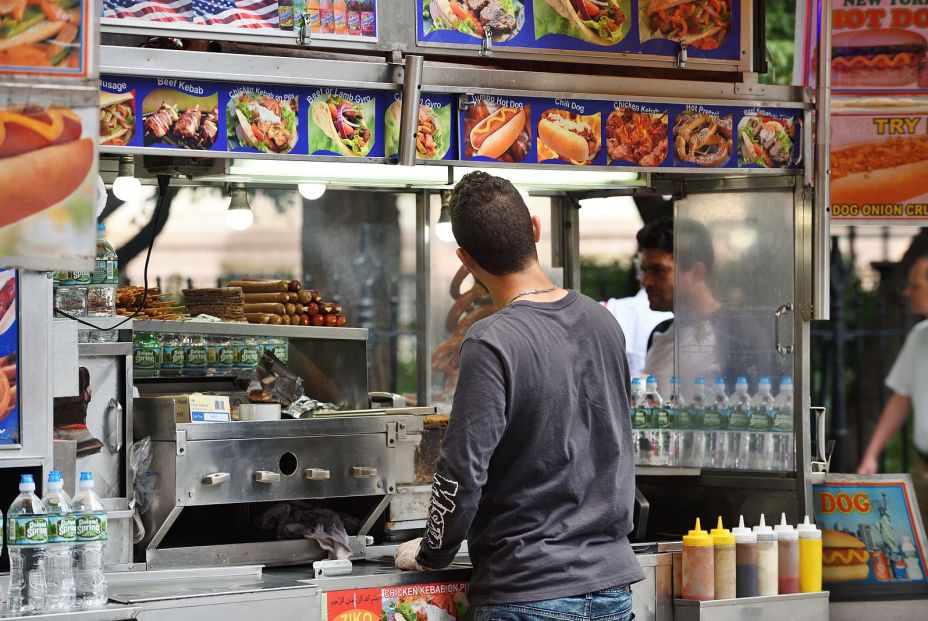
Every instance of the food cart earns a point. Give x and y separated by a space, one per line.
629 108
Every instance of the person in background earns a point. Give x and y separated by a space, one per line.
655 262
908 380
536 469
637 319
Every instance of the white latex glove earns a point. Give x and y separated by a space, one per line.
404 557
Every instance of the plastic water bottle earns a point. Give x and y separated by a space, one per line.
101 294
783 446
739 416
71 296
653 407
89 578
639 422
27 537
679 422
759 424
62 530
714 423
693 449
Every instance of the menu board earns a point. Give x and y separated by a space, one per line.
441 601
50 38
709 28
879 160
9 349
48 172
345 123
871 534
435 135
353 20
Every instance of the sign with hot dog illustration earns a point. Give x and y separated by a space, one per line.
879 161
871 533
48 225
497 128
344 123
569 132
45 37
9 352
709 28
434 134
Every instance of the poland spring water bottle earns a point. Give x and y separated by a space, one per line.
27 536
639 421
652 403
62 529
88 549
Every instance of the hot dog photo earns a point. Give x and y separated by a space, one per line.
181 119
261 121
702 138
491 130
433 127
342 124
700 24
499 20
569 137
9 343
599 22
43 36
637 136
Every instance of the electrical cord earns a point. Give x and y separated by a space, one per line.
163 183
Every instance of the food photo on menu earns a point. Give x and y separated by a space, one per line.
433 130
172 118
702 24
570 137
117 118
879 58
341 126
702 138
262 122
600 22
767 141
9 344
497 132
636 137
41 34
502 19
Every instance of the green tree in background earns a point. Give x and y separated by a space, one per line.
781 29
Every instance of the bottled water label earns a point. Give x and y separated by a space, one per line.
759 420
146 358
281 351
28 530
246 355
72 279
91 527
712 419
105 272
195 356
738 419
172 357
783 421
639 418
62 528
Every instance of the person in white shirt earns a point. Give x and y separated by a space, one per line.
637 319
908 380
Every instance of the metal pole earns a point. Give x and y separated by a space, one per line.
412 89
423 280
821 217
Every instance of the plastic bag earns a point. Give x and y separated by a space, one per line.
140 457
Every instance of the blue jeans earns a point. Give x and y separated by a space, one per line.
614 604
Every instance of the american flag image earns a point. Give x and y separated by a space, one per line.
236 13
150 10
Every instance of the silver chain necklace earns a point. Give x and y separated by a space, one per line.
530 292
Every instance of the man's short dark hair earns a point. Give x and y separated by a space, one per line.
695 244
656 235
491 222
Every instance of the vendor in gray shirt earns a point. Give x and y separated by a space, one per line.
536 470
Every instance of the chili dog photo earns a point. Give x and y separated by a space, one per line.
497 132
563 135
702 24
433 130
117 118
501 20
636 137
878 58
702 139
342 125
40 139
600 22
42 36
177 119
844 557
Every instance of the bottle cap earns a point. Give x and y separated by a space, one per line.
764 532
786 381
785 530
720 381
764 381
651 380
54 476
721 536
741 380
674 380
742 533
636 381
697 537
26 483
86 480
808 530
101 227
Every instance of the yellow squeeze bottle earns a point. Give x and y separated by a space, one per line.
810 557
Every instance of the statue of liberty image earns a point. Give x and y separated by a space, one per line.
887 532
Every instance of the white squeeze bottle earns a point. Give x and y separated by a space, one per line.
27 536
62 529
88 551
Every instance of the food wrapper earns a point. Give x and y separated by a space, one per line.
274 382
306 407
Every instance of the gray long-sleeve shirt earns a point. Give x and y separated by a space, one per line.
536 469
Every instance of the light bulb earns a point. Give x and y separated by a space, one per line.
444 233
127 188
239 219
666 197
311 191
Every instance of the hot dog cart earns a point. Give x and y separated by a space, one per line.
409 110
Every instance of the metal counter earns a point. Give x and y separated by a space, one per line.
110 613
